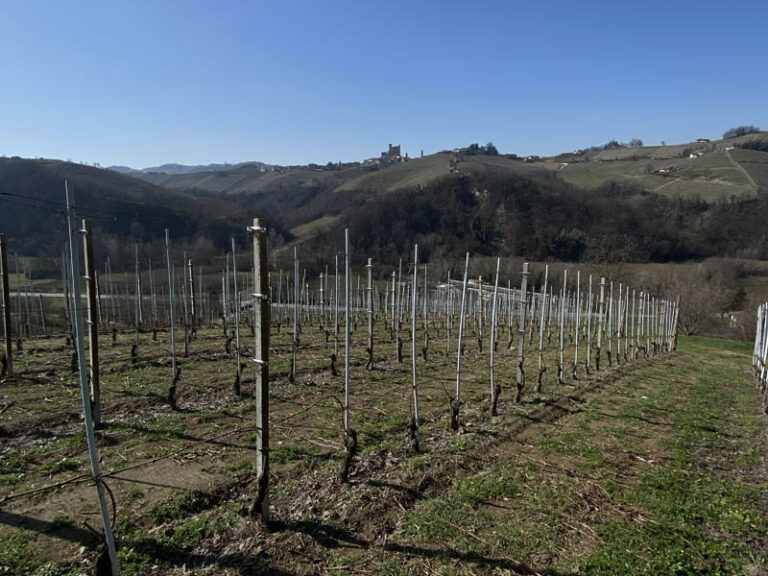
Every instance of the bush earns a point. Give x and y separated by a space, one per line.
754 144
740 131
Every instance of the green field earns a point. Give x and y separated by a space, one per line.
711 176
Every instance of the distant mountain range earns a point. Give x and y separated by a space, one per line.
174 169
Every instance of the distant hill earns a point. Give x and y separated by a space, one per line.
710 170
173 169
644 203
122 208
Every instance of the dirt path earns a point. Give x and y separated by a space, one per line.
741 168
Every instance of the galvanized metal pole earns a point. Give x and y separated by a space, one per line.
520 380
563 298
578 320
93 326
414 295
494 391
172 388
542 368
455 408
89 433
369 268
346 337
237 321
600 313
7 331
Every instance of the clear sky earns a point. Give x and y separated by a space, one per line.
142 83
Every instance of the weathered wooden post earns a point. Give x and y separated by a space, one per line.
261 309
93 324
520 380
7 332
85 393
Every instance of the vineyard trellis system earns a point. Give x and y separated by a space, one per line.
760 354
568 329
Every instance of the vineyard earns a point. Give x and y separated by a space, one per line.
249 419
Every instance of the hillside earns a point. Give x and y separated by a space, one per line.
653 203
32 200
718 171
709 170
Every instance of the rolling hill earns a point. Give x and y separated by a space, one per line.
32 200
710 170
653 203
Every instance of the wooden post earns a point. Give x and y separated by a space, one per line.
261 359
6 306
520 380
93 324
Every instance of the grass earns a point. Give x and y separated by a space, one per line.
676 510
612 473
711 177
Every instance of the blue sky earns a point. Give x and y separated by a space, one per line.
147 82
